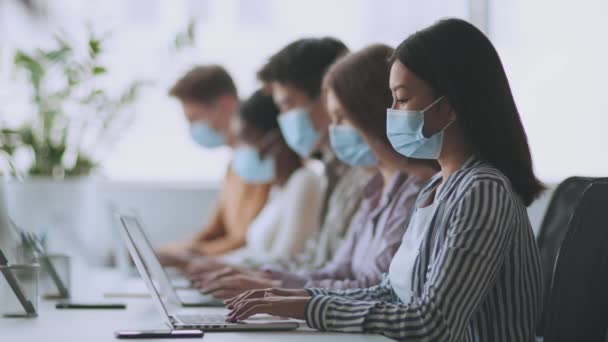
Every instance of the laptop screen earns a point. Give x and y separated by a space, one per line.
148 265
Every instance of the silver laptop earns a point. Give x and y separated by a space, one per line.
184 297
154 276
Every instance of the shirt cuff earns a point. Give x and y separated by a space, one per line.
315 310
316 292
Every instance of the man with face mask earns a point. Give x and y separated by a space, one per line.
294 76
210 102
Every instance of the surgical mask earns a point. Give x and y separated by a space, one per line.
350 147
298 131
206 136
248 165
404 131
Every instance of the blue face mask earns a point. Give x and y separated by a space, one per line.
247 164
404 131
350 147
298 131
206 136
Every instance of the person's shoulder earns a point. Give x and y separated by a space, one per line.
487 174
485 178
358 172
425 184
420 181
305 176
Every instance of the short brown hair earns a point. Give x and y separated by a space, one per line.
360 81
204 84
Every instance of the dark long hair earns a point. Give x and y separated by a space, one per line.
260 112
460 63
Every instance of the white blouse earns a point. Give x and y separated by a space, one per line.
401 269
287 221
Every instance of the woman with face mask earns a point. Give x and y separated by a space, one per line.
291 215
468 268
358 138
294 76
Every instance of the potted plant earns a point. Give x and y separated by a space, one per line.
52 156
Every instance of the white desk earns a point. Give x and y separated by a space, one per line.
99 325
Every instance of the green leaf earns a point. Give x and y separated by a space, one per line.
94 47
93 96
31 65
84 166
191 31
27 136
187 38
59 55
98 70
61 39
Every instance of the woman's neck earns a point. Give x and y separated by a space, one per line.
454 153
286 167
387 172
397 163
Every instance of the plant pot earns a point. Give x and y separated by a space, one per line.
61 211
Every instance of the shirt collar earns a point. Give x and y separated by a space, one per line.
375 185
445 189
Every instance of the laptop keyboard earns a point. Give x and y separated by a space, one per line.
198 319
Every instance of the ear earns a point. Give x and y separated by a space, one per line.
450 110
320 118
270 144
226 103
221 102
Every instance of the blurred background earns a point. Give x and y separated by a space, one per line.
554 52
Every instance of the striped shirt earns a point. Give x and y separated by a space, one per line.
477 276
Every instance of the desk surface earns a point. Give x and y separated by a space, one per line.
99 325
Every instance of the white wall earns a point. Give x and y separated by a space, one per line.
170 212
556 56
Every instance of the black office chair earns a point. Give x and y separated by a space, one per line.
555 225
577 307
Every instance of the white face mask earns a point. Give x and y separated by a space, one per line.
404 131
248 165
298 130
205 135
350 147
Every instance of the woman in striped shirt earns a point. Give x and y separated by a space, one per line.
468 267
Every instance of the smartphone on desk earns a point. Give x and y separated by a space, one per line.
92 306
143 334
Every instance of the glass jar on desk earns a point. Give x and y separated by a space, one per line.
55 276
19 290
